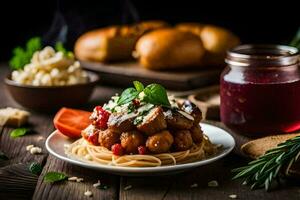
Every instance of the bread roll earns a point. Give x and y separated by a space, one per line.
216 41
112 43
169 48
258 147
195 28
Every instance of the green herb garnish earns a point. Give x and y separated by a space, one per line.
127 96
52 177
3 156
138 120
261 172
22 56
131 108
35 168
153 93
138 86
157 95
19 132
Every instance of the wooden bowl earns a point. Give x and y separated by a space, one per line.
50 98
208 101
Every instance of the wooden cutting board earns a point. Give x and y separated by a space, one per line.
123 73
240 140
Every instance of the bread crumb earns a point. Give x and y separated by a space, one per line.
213 183
233 196
128 187
40 138
97 184
194 185
88 193
29 147
35 150
73 178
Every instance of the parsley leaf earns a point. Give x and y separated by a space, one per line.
35 168
138 86
19 132
22 56
127 96
157 95
52 177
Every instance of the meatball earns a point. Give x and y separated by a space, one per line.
176 120
192 109
182 140
196 133
120 122
131 140
160 142
108 137
153 122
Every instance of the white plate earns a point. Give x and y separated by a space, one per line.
56 141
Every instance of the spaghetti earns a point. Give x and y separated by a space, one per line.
84 151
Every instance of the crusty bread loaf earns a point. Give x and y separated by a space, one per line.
216 41
112 43
169 48
258 147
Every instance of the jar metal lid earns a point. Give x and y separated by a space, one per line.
262 55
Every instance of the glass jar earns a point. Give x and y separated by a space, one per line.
260 90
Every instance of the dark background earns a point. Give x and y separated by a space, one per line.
253 21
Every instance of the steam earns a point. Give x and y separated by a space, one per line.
58 30
129 11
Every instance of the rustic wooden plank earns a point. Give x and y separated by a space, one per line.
15 148
73 190
42 125
123 73
15 170
179 186
17 182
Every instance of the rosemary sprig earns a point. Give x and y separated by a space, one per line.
262 171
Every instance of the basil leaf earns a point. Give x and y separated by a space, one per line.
35 168
138 86
127 96
3 156
157 95
19 132
52 177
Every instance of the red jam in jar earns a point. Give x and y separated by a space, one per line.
260 90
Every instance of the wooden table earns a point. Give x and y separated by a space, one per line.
16 182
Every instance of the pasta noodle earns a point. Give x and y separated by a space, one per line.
50 68
81 149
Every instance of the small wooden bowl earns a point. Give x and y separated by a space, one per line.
50 98
203 99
